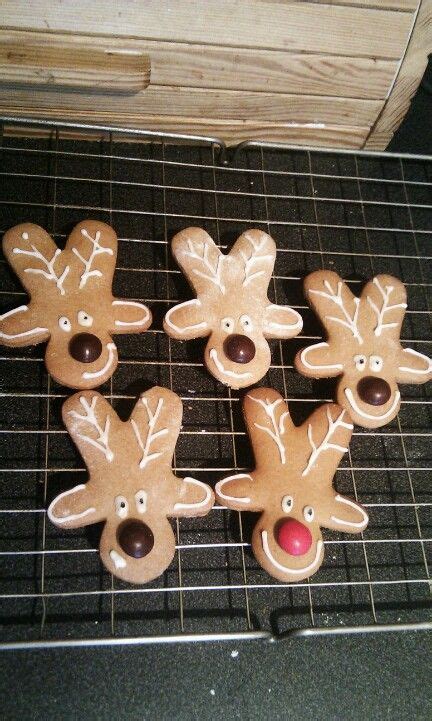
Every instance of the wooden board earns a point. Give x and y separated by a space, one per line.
195 102
411 72
293 26
88 66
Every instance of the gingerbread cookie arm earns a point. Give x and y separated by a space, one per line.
36 259
156 421
129 316
186 321
200 259
384 305
190 498
345 515
413 367
281 321
320 360
22 326
267 420
75 508
240 492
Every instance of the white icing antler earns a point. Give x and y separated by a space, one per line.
336 297
97 250
151 436
325 445
49 273
278 428
214 270
385 308
101 443
254 257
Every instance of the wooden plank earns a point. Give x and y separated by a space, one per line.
294 26
194 102
408 79
79 66
403 5
231 131
207 66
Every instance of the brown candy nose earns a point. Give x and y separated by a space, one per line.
85 347
135 539
374 391
239 348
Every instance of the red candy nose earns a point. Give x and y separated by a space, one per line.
294 537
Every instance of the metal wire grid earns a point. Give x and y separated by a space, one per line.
355 213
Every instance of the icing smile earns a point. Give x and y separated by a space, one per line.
287 569
349 394
111 355
225 371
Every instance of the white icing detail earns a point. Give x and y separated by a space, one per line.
118 561
336 297
152 420
121 506
220 484
231 374
102 441
85 319
349 394
360 361
227 324
111 348
278 428
186 328
325 445
73 517
305 351
308 514
141 501
198 504
287 569
135 305
298 325
385 307
362 523
11 336
254 257
287 504
246 323
376 363
97 250
414 370
25 236
49 273
65 324
214 270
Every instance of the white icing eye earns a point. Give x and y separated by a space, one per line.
65 324
227 325
246 323
121 506
308 513
141 501
85 319
287 504
376 363
360 362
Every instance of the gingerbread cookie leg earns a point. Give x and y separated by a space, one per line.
231 306
292 484
72 305
131 486
362 346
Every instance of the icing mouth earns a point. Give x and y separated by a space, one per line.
118 561
287 569
231 374
349 394
111 355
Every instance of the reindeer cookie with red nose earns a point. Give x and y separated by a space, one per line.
232 306
131 486
292 484
362 346
71 306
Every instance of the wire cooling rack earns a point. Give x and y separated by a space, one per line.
352 212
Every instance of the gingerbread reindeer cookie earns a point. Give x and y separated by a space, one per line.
131 486
232 306
362 346
71 306
292 484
